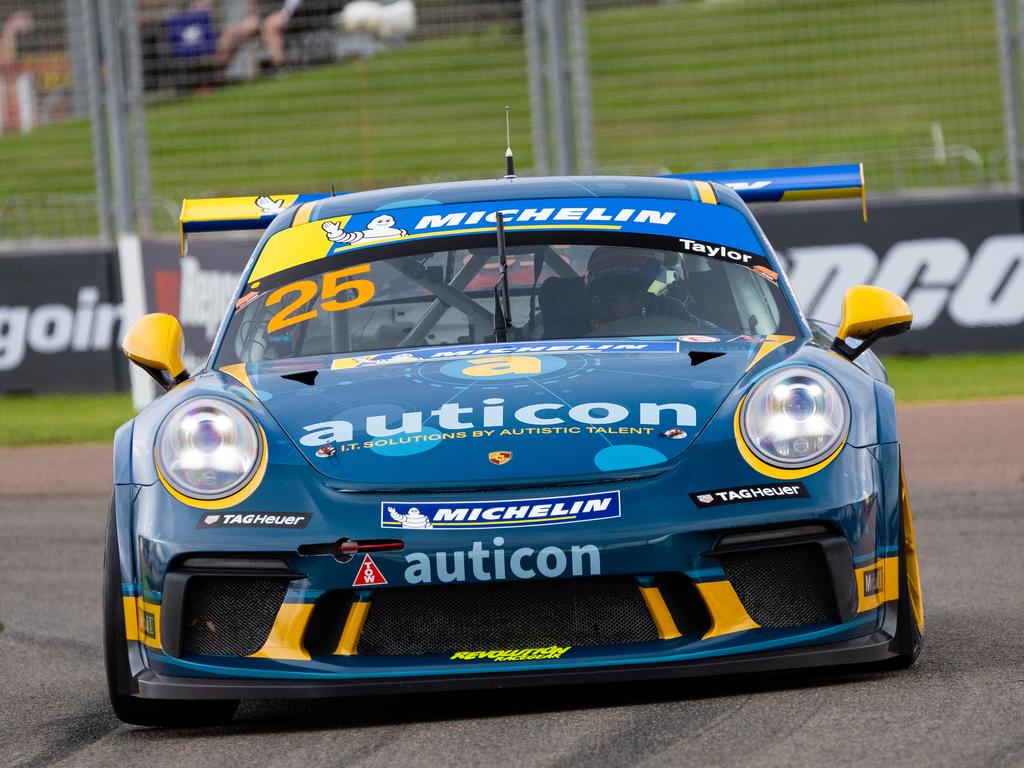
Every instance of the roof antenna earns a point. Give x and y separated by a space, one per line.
333 193
510 165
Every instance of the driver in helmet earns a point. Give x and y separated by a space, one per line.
629 282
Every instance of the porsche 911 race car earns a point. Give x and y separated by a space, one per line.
502 433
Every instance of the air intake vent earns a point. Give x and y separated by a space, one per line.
783 586
442 619
230 615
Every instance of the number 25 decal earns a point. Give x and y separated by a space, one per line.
333 284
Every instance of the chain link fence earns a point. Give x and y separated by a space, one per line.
910 88
240 97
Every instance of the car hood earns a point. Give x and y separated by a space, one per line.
495 415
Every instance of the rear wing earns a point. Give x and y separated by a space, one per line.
775 185
822 182
233 214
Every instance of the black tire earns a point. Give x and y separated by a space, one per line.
131 709
909 639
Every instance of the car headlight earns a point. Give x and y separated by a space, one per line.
208 448
794 417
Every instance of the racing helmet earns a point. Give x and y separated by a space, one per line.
619 280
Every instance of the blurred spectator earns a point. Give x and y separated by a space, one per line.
270 23
179 41
16 24
17 89
294 32
389 21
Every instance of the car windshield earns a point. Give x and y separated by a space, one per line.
606 288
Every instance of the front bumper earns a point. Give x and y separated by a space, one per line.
859 514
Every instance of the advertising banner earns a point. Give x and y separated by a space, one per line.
957 260
201 284
197 288
60 322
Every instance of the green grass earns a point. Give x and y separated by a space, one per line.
27 420
683 86
36 419
956 377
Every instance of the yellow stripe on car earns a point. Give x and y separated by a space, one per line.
706 192
667 629
348 645
727 612
910 553
237 371
141 621
305 211
769 345
285 639
294 246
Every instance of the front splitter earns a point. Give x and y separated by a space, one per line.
862 650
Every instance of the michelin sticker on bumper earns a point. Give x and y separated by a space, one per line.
519 513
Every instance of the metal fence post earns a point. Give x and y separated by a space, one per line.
558 74
538 99
137 110
580 65
1017 32
129 247
117 124
76 53
97 119
1009 45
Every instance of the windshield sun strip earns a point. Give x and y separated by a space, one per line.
575 236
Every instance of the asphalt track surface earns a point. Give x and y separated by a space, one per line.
961 705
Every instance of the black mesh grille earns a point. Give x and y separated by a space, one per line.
230 616
783 586
465 617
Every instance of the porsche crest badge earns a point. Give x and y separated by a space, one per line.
499 457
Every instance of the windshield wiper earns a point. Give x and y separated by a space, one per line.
502 311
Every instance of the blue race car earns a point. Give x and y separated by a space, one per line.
511 432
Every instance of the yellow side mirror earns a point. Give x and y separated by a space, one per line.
869 313
156 344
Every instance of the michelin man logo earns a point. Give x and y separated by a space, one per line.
381 227
415 518
268 206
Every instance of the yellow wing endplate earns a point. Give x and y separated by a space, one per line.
228 214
